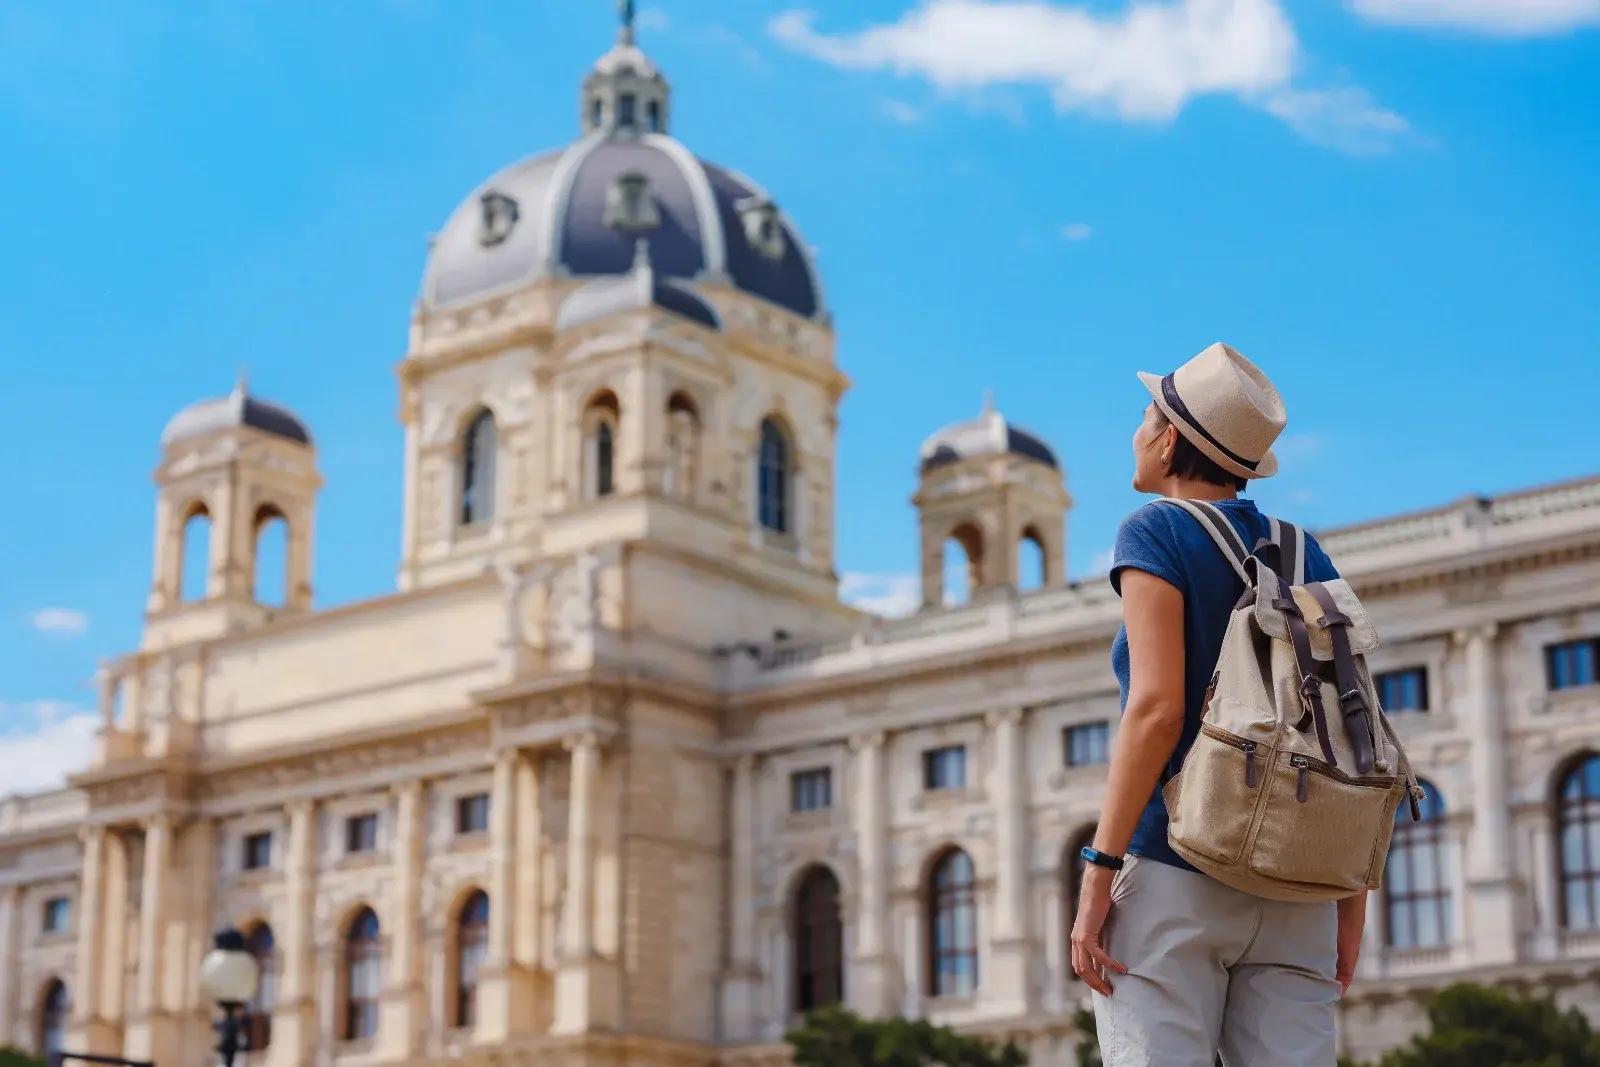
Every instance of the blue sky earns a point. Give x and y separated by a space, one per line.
1393 205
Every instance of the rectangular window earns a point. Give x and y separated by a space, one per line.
57 913
625 110
1088 745
1405 690
361 833
945 768
811 790
257 852
1572 663
472 814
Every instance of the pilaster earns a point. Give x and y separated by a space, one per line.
872 986
1011 945
294 1022
402 1008
1494 890
502 981
588 988
741 981
152 1033
10 911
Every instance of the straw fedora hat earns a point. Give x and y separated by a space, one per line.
1225 407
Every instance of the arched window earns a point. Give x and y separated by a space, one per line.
962 563
1072 867
1579 817
194 554
258 1018
477 470
952 926
363 975
773 478
54 1008
601 420
818 941
472 944
1031 570
683 448
652 114
270 580
1416 878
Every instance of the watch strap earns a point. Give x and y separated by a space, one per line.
1101 859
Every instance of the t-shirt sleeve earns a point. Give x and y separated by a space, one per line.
1147 542
1319 568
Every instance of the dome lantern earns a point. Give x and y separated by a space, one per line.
625 94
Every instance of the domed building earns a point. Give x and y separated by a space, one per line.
615 777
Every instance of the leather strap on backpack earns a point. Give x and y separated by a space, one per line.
1351 703
1310 683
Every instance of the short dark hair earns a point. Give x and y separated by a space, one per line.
1189 462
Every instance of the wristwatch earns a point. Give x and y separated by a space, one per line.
1100 859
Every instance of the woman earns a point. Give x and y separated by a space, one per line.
1183 967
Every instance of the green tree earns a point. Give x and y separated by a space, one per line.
837 1037
11 1056
1474 1026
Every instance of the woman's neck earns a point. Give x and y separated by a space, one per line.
1195 489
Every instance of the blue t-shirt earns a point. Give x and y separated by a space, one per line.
1168 542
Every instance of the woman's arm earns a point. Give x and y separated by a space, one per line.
1152 723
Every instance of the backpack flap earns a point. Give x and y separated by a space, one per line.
1363 634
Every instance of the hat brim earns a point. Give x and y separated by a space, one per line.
1264 469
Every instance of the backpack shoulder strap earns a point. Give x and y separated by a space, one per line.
1215 523
1291 541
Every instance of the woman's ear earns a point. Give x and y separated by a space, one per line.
1169 444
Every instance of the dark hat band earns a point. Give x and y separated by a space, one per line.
1169 392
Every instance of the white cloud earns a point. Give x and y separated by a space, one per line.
891 595
722 37
1346 119
60 622
899 111
1077 231
1142 64
1101 563
1511 18
1294 449
652 19
54 740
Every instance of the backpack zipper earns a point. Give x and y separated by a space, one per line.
1217 733
1301 765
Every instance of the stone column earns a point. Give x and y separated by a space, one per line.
528 879
500 974
151 1036
402 1007
294 1020
114 935
741 981
10 908
1011 943
87 1020
871 988
408 512
1494 890
586 988
1546 885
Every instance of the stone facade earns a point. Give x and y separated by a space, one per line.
615 778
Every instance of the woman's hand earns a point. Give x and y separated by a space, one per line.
1352 922
1089 957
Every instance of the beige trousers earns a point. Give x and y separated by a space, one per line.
1212 969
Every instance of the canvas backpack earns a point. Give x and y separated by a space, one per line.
1291 788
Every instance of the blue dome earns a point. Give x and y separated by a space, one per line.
237 409
547 216
987 435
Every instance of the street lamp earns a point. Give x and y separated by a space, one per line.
229 975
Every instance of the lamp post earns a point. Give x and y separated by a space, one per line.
229 975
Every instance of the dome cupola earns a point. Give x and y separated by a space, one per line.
987 435
625 94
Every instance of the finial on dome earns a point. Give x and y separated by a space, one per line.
988 401
241 384
625 9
